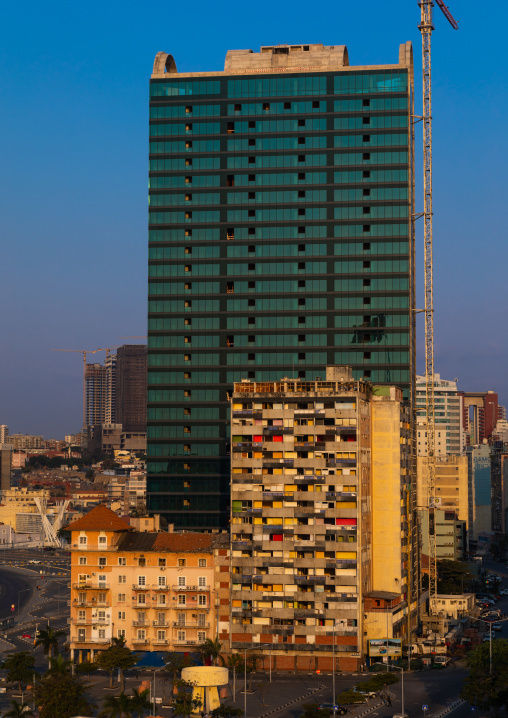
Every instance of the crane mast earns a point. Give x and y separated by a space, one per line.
426 27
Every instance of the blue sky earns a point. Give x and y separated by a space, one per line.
74 85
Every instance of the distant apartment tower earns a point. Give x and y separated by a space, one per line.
449 429
321 519
131 387
480 491
451 477
4 433
481 412
280 242
26 441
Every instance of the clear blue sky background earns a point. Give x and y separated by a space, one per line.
74 120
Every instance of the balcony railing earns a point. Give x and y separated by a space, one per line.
140 641
185 643
140 587
160 642
83 604
93 547
142 623
84 585
191 588
90 639
160 624
176 624
159 587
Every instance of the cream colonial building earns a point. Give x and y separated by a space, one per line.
161 591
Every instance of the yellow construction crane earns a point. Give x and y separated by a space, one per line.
426 27
85 352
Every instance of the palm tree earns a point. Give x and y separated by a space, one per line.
48 639
18 711
117 707
59 665
211 649
140 702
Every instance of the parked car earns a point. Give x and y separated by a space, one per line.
26 635
34 561
497 626
339 710
504 592
486 638
365 692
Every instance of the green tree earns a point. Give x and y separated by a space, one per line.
48 639
175 662
235 664
20 668
183 702
482 689
58 664
253 661
18 710
60 696
90 474
349 697
227 712
117 707
211 649
453 577
140 701
117 656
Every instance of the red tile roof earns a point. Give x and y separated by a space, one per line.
100 518
183 542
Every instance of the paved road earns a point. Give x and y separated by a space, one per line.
14 586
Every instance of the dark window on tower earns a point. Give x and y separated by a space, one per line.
301 175
366 103
366 155
252 124
366 192
366 174
366 138
301 158
252 178
301 193
287 105
231 181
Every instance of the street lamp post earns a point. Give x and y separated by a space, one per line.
490 622
19 593
333 669
153 687
402 686
261 645
216 613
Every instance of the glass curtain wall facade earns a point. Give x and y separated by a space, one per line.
280 242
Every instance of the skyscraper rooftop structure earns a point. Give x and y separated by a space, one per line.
280 242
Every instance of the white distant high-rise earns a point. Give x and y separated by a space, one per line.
4 433
449 429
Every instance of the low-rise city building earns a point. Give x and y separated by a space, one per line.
160 591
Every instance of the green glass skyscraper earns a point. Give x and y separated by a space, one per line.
280 242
